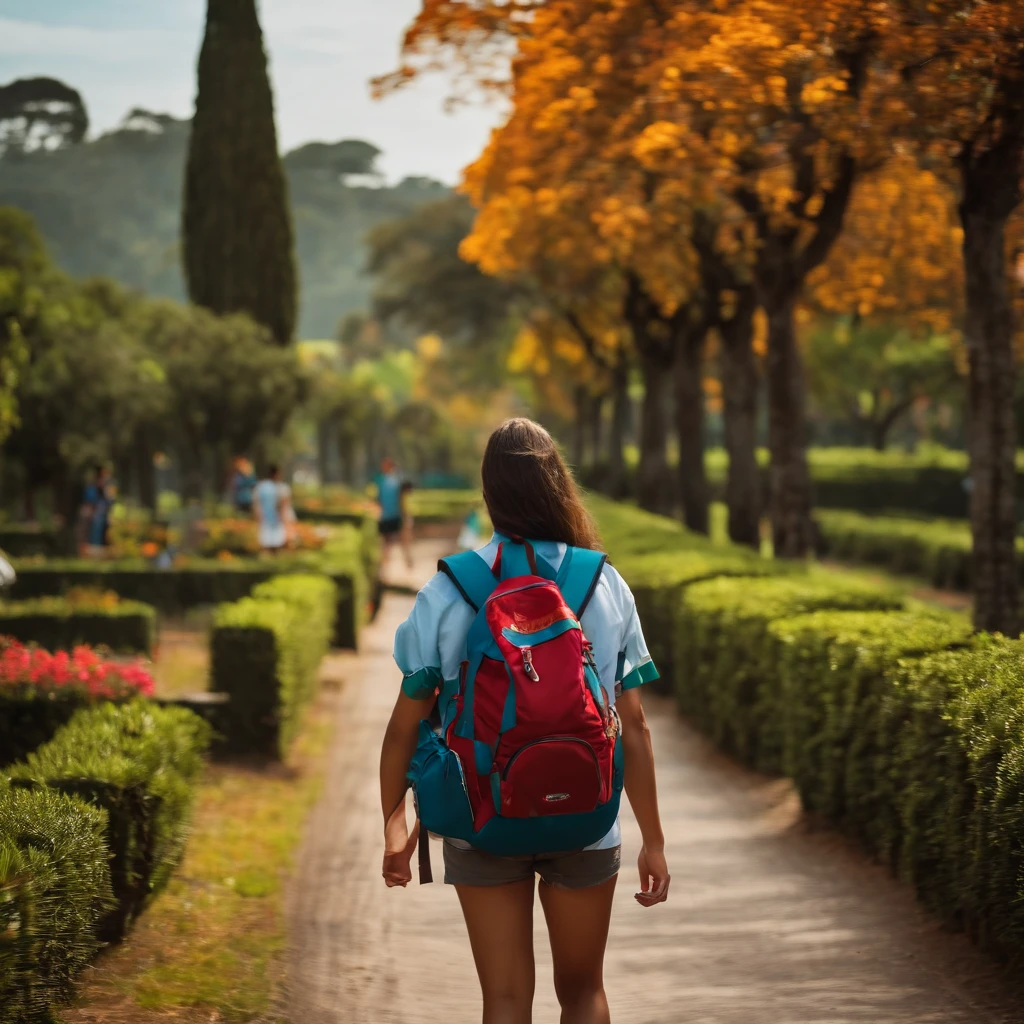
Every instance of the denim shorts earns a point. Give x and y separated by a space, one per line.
580 870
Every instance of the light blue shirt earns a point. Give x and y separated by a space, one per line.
430 645
268 494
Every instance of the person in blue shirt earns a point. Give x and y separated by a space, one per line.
243 483
389 501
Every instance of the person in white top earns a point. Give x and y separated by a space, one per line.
530 493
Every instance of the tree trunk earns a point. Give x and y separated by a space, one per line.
792 527
740 393
579 431
688 374
595 424
991 427
652 478
323 445
617 484
145 470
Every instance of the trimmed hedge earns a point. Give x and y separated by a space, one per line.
951 771
139 763
54 888
265 654
349 558
60 625
727 675
835 669
27 722
937 550
23 540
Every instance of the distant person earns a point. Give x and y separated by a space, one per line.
271 501
389 500
243 483
97 502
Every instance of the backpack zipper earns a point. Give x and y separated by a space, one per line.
531 672
516 590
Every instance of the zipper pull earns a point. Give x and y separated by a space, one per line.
531 672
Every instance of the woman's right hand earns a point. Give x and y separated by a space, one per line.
654 876
399 846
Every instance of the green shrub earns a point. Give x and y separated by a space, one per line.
835 668
265 654
657 582
138 762
350 558
937 550
951 759
57 624
727 679
54 888
24 540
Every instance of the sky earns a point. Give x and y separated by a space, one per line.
122 54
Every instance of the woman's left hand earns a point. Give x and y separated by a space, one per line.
399 845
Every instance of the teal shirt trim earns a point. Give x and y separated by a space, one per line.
645 672
421 684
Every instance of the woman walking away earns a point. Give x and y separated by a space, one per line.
271 500
533 654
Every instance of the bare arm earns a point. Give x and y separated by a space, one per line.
395 755
642 791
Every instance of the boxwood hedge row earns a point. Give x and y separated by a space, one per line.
57 624
349 559
265 651
54 890
139 763
895 723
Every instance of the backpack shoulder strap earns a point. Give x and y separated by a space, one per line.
578 576
471 575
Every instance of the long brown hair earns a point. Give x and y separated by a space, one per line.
529 491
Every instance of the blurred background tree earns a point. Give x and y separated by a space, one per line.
239 249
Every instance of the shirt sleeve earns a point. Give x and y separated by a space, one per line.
635 666
417 652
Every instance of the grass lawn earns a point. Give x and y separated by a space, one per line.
211 947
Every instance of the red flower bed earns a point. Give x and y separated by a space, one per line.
84 670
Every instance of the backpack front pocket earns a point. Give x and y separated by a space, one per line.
556 775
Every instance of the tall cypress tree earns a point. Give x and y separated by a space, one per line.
239 247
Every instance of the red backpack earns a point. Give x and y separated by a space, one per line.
528 759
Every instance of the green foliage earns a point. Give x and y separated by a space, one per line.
937 550
929 482
24 270
835 669
20 540
139 763
238 242
29 721
265 654
40 113
58 624
950 767
727 679
422 282
54 887
869 376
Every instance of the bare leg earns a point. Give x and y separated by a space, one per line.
500 923
578 922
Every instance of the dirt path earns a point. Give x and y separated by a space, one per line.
769 923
